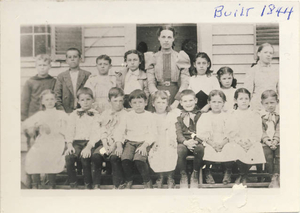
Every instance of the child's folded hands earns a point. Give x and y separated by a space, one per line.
190 144
86 152
70 149
142 149
274 144
119 149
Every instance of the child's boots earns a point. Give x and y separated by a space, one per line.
241 179
275 181
208 176
159 181
227 176
194 179
148 185
126 185
34 186
171 181
184 180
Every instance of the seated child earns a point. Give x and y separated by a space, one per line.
109 120
212 129
101 83
271 135
137 131
188 142
30 101
45 156
133 77
245 128
82 123
163 154
70 81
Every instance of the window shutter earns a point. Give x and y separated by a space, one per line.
268 33
65 37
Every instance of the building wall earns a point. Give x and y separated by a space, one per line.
234 46
230 45
98 40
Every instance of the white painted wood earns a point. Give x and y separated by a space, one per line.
130 37
105 42
204 32
232 29
233 49
233 39
104 32
232 59
110 51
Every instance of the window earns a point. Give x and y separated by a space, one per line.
268 33
52 40
35 40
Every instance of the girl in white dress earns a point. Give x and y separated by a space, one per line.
262 76
46 155
228 86
163 154
212 129
202 81
246 131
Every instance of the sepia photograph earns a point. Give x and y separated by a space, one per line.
150 106
167 106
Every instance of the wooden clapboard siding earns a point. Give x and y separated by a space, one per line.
98 40
104 42
233 45
110 51
232 29
232 39
104 31
233 49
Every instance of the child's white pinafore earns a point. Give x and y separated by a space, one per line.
213 127
246 125
163 154
46 155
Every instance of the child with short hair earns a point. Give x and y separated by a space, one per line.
202 80
133 77
108 123
30 101
262 75
82 123
188 142
137 131
69 82
46 154
271 135
163 154
212 128
245 127
227 86
101 83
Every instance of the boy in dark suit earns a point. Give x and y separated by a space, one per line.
70 81
188 142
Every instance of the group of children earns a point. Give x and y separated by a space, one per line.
91 119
